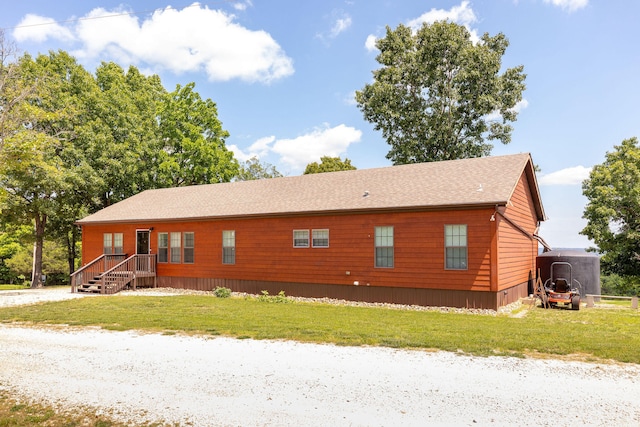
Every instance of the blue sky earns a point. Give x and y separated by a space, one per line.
283 73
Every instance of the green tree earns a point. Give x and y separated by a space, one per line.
439 95
53 262
72 143
13 91
255 169
124 132
40 166
613 209
32 179
193 148
10 244
329 164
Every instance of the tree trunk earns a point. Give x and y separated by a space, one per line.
40 224
72 238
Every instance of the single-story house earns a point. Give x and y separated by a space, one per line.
459 233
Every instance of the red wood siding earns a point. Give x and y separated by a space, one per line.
265 252
516 251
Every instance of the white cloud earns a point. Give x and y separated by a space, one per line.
298 152
569 5
262 146
370 43
462 14
40 28
258 149
341 25
324 141
193 39
242 5
350 99
569 176
521 105
240 155
342 22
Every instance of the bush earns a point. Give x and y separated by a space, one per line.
281 298
614 284
57 279
221 292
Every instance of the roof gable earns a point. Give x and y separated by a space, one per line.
457 183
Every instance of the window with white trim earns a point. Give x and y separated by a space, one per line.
118 245
320 238
228 246
455 243
188 243
107 243
300 238
163 247
113 243
384 247
175 247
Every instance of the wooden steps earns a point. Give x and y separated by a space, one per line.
95 286
110 274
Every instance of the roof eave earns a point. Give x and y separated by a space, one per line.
535 190
529 171
357 211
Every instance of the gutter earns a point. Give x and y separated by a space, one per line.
294 214
533 236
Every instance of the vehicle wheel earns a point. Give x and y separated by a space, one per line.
575 303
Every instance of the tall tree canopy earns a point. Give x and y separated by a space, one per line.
72 142
329 164
12 90
613 209
125 136
41 165
192 141
439 95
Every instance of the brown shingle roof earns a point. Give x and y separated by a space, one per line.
457 183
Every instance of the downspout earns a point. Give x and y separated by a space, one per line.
533 236
494 264
516 226
493 268
530 236
545 245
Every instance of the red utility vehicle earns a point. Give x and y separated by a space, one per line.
560 290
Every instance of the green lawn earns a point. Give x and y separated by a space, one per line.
590 334
12 287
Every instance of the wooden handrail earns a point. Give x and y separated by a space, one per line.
94 268
113 278
84 267
123 273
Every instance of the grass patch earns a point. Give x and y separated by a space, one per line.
594 334
20 414
12 287
619 303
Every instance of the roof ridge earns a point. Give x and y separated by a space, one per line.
464 182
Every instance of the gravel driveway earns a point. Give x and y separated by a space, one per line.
226 381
